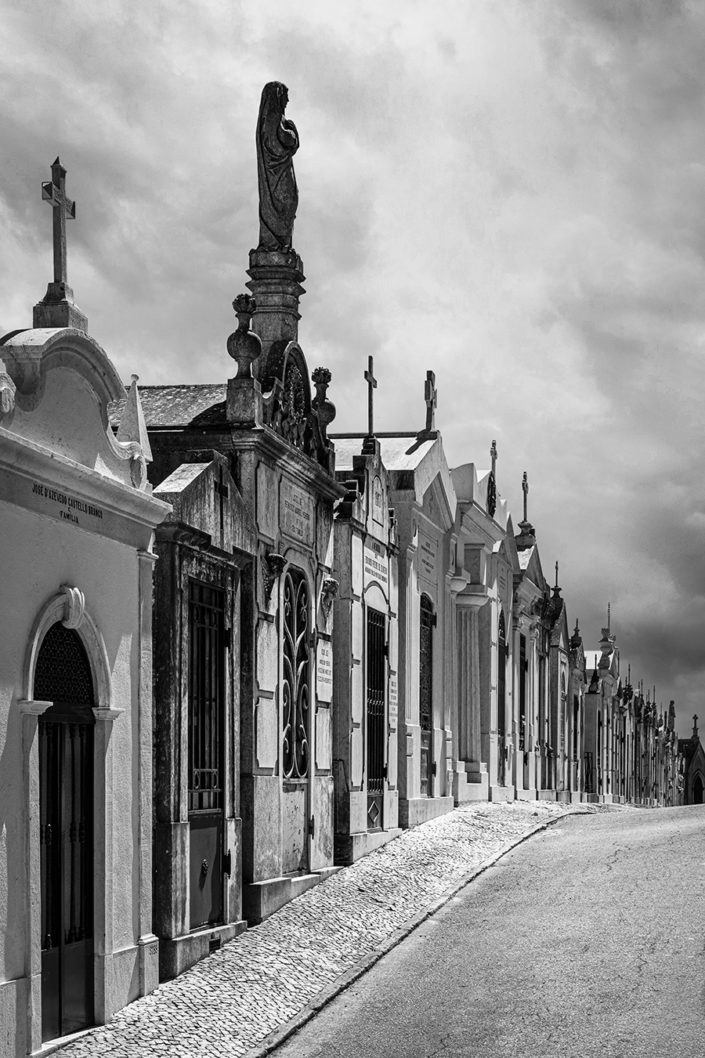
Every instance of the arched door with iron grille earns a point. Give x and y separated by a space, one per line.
428 620
501 700
296 721
63 677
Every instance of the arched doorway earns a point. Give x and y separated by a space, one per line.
63 677
698 790
296 722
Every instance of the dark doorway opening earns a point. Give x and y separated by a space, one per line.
206 739
428 620
63 677
698 791
376 679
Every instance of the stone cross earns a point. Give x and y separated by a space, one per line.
371 386
556 574
525 490
493 456
54 192
695 725
431 398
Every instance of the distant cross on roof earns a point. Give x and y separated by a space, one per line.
54 192
695 725
492 482
525 490
556 574
609 616
431 398
371 387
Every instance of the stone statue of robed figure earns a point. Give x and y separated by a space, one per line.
277 143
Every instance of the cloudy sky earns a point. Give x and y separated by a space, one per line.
510 192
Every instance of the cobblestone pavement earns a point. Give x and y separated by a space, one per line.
229 1002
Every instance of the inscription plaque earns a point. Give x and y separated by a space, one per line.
324 671
393 701
376 566
428 550
296 512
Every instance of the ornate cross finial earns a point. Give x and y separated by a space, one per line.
492 482
609 615
695 725
57 307
54 192
371 386
556 584
431 398
525 490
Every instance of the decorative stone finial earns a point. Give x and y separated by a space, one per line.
527 537
243 344
324 408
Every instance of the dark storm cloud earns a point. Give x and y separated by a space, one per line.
508 193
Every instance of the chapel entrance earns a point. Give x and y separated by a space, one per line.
428 620
206 739
296 721
698 791
501 701
63 677
375 719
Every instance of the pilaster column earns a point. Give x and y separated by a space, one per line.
148 943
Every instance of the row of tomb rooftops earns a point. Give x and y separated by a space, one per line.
58 310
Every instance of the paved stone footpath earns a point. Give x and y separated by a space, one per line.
228 1003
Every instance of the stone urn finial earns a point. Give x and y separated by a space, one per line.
244 345
324 408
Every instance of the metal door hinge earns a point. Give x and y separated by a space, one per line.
227 863
312 826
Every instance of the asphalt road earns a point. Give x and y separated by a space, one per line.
586 940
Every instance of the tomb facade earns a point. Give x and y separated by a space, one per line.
77 519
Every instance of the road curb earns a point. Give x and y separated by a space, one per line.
324 997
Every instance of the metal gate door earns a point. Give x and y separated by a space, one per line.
375 719
296 723
206 707
428 619
63 676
